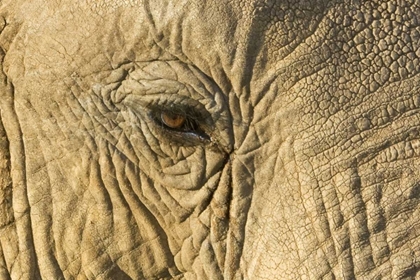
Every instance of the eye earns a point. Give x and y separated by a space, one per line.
181 126
172 120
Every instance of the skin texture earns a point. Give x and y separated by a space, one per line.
305 164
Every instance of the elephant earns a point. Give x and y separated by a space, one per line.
190 139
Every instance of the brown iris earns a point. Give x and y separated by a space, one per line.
173 120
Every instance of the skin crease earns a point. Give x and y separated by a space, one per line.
304 163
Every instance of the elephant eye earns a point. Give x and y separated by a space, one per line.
181 126
172 120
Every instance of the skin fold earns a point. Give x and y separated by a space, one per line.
288 148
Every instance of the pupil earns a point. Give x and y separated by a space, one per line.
172 120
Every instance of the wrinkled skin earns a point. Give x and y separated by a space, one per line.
305 164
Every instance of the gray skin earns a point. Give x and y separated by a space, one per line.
300 160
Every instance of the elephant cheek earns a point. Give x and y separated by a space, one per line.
286 233
275 218
339 218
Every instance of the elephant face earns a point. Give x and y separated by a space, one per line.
209 139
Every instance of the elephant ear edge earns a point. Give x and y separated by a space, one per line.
9 28
16 241
6 184
7 217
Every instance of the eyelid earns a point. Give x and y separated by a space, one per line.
172 103
159 84
194 113
150 107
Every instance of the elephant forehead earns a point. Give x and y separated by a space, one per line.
237 43
62 40
217 37
285 57
280 56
